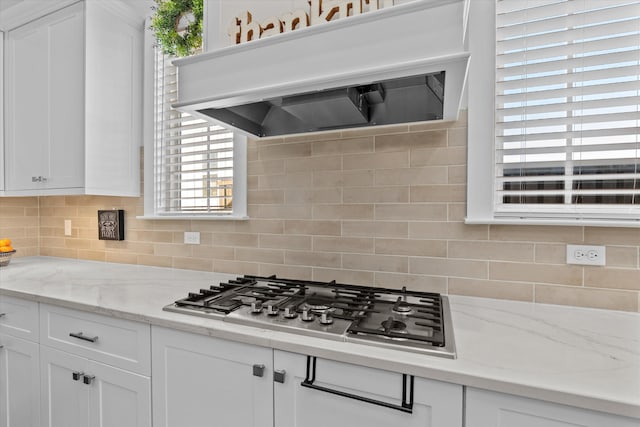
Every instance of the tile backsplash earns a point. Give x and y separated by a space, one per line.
377 207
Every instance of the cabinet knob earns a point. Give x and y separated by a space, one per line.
278 376
3 314
1 347
88 379
258 370
77 375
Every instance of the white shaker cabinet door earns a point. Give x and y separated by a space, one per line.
19 383
118 398
45 102
201 381
79 392
486 408
65 400
435 403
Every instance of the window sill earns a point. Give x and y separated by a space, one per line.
195 217
575 222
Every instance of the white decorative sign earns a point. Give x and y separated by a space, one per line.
243 28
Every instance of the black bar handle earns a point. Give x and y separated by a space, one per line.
406 406
81 336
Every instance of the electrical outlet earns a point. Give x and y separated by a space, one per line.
67 227
192 237
586 255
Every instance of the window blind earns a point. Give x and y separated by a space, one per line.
567 107
193 158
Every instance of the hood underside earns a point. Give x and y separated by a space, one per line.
402 100
342 74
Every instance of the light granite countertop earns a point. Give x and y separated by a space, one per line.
582 357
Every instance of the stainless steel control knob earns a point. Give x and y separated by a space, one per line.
326 318
256 307
272 310
307 316
290 313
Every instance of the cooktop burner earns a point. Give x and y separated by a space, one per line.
415 321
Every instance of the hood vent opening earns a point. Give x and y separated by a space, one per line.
393 101
402 64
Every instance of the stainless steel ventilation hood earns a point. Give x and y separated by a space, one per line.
402 64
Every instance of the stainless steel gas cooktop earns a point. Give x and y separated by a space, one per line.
400 319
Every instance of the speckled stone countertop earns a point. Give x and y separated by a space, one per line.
576 356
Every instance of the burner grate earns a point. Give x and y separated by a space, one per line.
395 318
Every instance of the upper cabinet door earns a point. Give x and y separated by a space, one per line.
45 102
2 168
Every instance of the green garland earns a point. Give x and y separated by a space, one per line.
164 25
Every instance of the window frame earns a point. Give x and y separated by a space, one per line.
239 188
481 160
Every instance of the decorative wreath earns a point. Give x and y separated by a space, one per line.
168 15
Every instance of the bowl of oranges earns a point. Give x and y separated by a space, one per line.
6 252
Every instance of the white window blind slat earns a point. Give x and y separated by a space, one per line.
193 158
561 15
546 39
555 109
520 81
567 106
563 49
562 64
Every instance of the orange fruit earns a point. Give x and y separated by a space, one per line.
6 248
5 242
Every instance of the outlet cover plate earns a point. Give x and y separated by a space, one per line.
586 255
192 237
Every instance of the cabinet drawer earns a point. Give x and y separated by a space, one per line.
117 342
19 318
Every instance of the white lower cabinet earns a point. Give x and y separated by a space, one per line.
486 408
320 392
205 381
19 382
79 392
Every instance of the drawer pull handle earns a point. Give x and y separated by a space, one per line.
77 375
81 336
406 406
88 379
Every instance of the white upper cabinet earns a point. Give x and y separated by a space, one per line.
73 102
1 112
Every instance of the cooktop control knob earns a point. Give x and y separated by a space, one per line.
272 310
306 315
290 313
256 307
326 318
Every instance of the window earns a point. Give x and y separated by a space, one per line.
565 139
197 167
